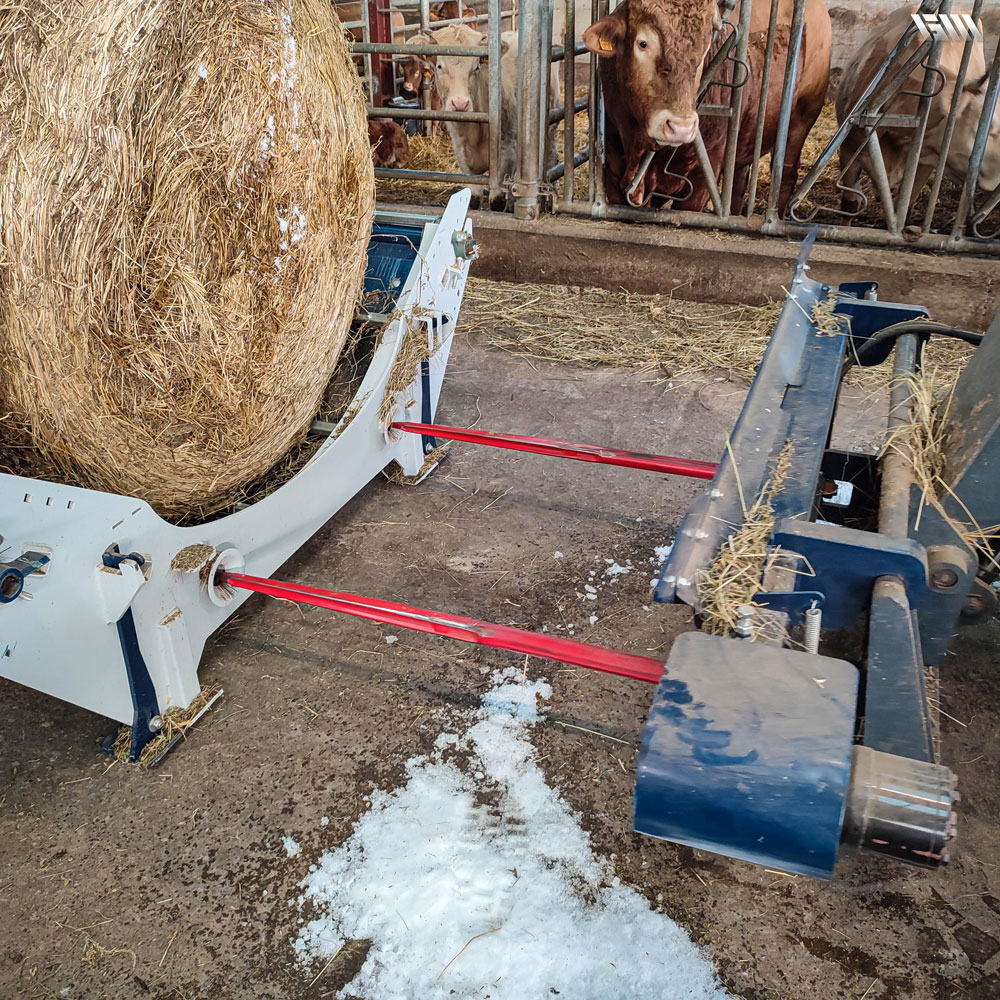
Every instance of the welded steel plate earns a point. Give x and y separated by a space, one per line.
747 753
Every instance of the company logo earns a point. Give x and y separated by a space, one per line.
947 27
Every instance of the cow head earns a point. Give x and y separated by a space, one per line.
456 78
660 48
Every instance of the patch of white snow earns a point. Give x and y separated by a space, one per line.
476 871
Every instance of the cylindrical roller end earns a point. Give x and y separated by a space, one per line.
899 807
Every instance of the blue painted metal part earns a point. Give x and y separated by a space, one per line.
867 317
144 701
747 753
392 250
896 718
792 399
793 603
144 704
846 563
12 575
794 351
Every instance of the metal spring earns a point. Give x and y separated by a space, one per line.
813 624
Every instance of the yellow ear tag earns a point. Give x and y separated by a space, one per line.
606 46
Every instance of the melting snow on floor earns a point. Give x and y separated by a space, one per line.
475 879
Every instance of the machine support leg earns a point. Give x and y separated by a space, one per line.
146 712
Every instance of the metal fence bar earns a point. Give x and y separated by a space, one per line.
559 51
409 49
397 173
366 37
559 170
765 82
736 106
781 228
544 83
558 114
598 142
978 148
949 128
569 104
882 181
706 168
495 83
785 110
424 115
927 90
529 62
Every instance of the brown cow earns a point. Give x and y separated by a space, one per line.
652 56
895 142
448 11
390 147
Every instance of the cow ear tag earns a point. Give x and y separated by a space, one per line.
606 46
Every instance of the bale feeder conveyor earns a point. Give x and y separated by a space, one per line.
757 745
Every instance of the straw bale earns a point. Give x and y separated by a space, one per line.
186 197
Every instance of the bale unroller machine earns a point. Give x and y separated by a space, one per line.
808 729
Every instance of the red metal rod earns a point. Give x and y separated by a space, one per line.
549 647
566 449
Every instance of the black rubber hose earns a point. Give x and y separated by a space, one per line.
921 326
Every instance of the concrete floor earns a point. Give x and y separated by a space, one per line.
120 883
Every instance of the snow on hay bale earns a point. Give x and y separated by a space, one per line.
186 197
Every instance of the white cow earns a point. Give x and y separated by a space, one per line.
462 84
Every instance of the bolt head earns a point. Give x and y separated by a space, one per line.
943 577
155 724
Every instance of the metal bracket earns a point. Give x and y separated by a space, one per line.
12 574
846 562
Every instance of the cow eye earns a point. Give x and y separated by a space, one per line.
643 44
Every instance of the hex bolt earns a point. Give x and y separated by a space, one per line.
466 247
744 624
943 577
156 723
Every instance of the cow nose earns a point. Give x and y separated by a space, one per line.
677 131
460 104
669 129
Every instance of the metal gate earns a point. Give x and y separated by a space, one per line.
884 217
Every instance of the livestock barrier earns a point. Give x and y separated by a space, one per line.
941 193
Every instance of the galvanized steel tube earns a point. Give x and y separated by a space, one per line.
736 106
493 42
525 188
569 103
765 82
978 148
785 110
949 128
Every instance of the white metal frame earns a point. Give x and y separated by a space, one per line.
60 636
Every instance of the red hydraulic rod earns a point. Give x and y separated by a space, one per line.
566 449
549 647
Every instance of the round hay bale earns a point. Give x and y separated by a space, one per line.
186 197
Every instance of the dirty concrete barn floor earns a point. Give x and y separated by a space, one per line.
173 883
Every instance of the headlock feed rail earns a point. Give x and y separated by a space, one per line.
810 731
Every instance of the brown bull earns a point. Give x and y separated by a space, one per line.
652 56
